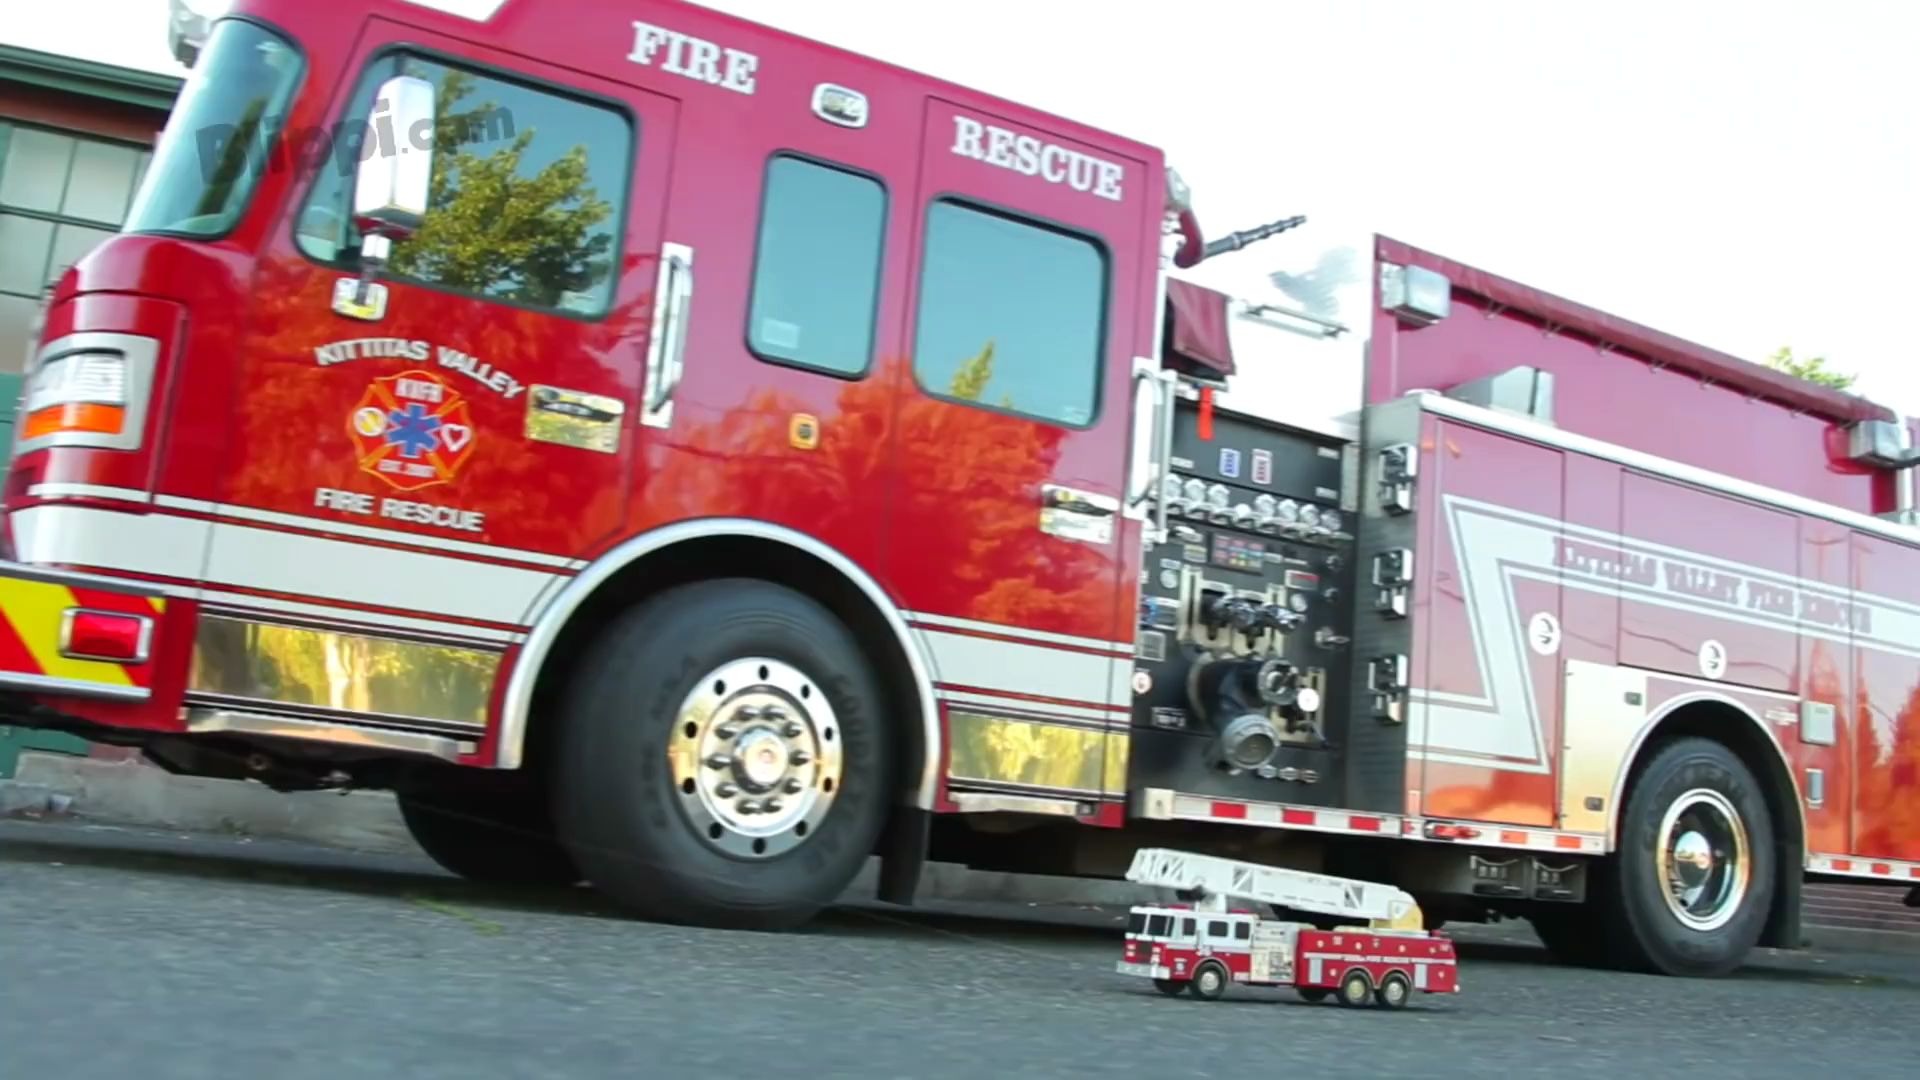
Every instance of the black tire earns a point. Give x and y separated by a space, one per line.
1170 987
1210 980
1356 988
616 804
499 836
1643 932
1394 991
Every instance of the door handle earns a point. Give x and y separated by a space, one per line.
667 343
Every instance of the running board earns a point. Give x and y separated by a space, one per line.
337 733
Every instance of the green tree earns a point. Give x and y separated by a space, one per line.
489 227
1812 369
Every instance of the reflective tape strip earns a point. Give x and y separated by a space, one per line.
1869 868
1161 804
31 615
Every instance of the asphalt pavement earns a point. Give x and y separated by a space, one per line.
126 953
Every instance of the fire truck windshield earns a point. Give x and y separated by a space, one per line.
218 139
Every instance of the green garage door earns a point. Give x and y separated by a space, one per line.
14 740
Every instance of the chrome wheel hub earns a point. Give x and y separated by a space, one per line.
1703 859
755 756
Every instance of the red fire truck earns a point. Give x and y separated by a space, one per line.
1379 955
949 517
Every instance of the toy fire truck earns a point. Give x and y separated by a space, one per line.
1205 945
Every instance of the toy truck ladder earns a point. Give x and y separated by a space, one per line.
1211 880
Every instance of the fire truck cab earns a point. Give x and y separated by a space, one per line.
675 454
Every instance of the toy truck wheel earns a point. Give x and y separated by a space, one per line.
500 837
1210 980
1356 989
724 760
1689 892
1393 992
1169 987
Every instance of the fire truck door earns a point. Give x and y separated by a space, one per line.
1032 295
432 459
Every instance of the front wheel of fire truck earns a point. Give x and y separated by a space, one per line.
1210 980
1689 891
724 759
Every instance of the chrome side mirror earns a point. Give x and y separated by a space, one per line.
390 189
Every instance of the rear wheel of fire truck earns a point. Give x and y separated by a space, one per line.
1210 980
725 757
1356 989
1393 992
1688 894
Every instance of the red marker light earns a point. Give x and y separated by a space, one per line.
105 635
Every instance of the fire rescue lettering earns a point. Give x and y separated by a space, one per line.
354 502
692 58
1029 156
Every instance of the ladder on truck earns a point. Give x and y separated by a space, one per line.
1211 880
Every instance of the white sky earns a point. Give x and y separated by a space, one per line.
1745 174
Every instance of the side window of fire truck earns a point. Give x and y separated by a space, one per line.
1188 928
1159 926
816 272
1012 315
527 196
1217 928
1243 931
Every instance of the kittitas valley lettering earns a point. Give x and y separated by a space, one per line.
472 367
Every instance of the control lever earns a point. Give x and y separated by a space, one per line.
1275 617
1219 610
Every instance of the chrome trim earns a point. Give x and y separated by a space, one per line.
1654 720
216 721
1547 435
143 648
46 684
667 340
30 572
981 802
87 491
141 355
517 704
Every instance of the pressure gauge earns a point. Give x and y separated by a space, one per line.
1299 601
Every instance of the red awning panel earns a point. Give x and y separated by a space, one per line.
1198 331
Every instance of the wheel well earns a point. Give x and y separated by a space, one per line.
706 557
1739 731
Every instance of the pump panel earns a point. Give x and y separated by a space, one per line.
1241 649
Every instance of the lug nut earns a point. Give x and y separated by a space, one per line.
719 761
748 807
771 806
799 757
726 791
794 787
727 731
792 729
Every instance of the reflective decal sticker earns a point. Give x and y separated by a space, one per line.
573 418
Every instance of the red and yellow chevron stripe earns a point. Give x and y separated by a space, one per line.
33 612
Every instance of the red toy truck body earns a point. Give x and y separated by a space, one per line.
392 444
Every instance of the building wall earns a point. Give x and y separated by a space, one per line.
68 167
